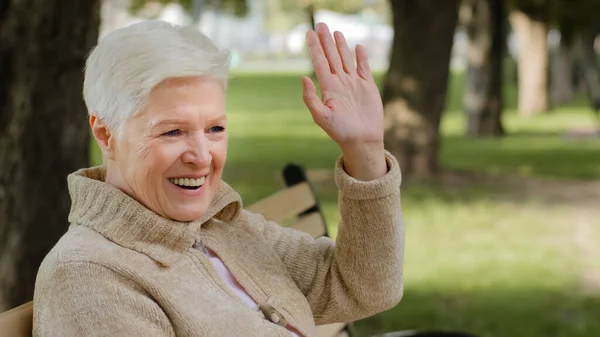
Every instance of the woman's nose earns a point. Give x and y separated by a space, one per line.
198 153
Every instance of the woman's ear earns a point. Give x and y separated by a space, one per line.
104 137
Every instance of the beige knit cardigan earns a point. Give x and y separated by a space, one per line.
122 270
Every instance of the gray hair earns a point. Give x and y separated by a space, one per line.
128 63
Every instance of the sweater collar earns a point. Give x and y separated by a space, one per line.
121 219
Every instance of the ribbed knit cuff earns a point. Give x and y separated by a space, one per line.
363 190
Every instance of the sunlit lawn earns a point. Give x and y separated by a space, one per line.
474 262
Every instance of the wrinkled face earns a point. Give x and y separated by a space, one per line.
172 154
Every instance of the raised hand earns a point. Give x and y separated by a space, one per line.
350 110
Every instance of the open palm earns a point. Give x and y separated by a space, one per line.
350 110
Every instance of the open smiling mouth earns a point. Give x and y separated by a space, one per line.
188 183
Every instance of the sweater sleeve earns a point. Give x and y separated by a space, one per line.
86 299
361 273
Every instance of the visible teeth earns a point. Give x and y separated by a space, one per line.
188 181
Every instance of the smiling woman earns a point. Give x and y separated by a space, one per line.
159 244
175 142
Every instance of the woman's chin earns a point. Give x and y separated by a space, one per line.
187 215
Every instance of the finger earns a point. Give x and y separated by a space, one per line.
317 56
362 63
331 52
312 101
346 55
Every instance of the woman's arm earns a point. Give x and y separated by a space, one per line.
361 273
86 299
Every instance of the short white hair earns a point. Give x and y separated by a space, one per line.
128 63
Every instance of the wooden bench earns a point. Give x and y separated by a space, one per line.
296 203
17 322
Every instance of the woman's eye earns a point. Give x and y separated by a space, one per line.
172 133
216 129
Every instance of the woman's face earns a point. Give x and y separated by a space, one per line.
172 154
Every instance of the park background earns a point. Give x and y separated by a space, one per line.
492 108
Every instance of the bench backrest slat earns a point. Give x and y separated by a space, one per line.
285 204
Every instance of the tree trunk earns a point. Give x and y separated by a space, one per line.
589 69
310 13
561 79
43 130
484 22
532 63
414 91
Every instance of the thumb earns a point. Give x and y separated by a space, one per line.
312 101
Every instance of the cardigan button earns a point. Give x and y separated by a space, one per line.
272 314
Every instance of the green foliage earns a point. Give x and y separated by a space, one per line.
236 7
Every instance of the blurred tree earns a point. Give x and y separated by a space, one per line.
530 20
43 133
414 91
581 17
484 22
563 57
578 25
576 21
589 67
561 69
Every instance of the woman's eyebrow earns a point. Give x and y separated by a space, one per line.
157 124
222 118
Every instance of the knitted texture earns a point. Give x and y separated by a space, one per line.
123 270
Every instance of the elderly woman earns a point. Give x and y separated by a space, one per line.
159 245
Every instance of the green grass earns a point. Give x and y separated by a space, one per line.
534 147
476 259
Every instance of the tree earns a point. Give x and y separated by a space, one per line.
589 67
561 69
414 90
577 23
484 22
43 130
530 20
